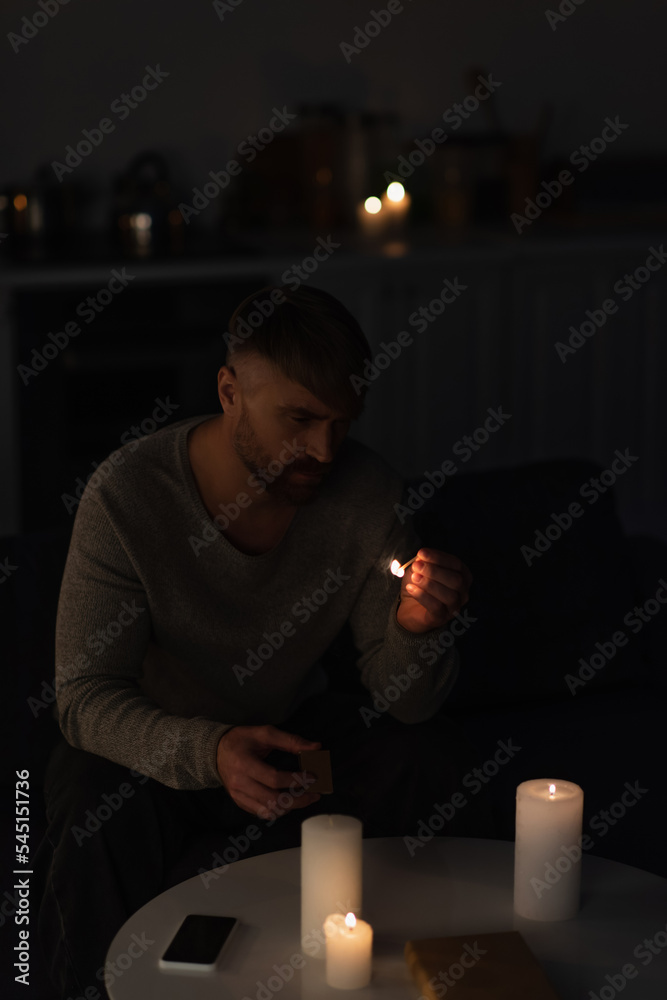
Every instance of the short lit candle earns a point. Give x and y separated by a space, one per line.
547 851
395 205
349 951
330 875
372 219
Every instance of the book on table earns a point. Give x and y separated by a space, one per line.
497 966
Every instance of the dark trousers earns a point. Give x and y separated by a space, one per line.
90 880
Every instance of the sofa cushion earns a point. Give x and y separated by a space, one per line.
608 742
538 616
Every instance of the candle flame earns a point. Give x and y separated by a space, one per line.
396 191
351 920
372 205
140 220
396 568
552 790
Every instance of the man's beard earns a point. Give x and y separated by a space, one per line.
285 488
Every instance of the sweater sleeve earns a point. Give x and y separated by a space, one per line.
103 627
387 650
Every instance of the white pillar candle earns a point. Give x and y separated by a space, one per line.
395 207
547 851
330 875
372 220
349 951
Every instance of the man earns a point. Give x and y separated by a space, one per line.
207 578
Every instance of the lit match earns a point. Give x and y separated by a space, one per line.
399 570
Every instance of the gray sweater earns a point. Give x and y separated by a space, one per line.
167 635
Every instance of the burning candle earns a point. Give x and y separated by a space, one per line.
371 217
547 851
395 206
349 951
330 875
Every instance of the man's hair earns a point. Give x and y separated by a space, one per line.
309 336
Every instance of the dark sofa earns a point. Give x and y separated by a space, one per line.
528 627
536 623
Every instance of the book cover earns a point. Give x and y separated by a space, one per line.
480 966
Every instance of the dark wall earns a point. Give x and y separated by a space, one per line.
226 75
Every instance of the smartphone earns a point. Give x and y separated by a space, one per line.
198 942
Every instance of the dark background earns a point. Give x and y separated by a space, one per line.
228 71
161 339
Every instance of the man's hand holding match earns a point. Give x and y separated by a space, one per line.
254 785
434 589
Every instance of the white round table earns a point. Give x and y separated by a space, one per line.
451 886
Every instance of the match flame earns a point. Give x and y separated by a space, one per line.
351 920
396 568
552 791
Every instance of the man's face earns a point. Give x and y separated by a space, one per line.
279 413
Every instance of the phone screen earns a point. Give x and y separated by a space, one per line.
199 939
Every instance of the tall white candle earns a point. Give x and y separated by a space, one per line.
547 851
330 875
395 207
349 949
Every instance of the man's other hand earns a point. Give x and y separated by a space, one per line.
253 784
